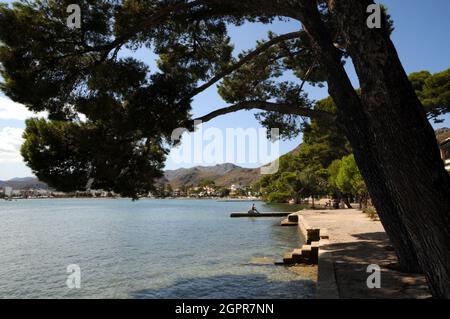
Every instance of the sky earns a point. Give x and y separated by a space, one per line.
421 39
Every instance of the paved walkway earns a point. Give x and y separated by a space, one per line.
356 241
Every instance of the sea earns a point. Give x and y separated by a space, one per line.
150 248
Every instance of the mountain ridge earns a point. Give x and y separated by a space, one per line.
224 174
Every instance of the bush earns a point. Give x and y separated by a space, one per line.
278 197
371 212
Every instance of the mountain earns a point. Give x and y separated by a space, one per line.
24 183
222 174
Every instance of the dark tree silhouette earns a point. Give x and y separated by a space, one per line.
131 111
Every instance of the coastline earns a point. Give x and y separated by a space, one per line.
218 199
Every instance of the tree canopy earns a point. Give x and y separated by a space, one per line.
111 118
108 112
304 172
434 91
345 176
110 115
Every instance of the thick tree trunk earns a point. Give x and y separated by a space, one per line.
403 140
354 123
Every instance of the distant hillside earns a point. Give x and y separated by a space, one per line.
24 183
222 174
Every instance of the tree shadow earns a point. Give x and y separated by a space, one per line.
351 260
229 287
377 236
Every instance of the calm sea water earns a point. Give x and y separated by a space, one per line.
144 249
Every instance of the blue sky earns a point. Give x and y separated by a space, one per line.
420 36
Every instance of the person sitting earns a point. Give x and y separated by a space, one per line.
253 210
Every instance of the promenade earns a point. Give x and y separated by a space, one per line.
355 242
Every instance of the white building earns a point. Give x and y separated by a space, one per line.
235 187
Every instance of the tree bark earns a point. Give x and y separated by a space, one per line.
347 202
408 154
354 122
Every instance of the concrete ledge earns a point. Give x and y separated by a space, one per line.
275 214
318 238
326 281
303 225
286 222
293 218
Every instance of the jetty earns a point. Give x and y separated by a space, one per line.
269 214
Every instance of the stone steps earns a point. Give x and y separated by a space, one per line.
287 259
291 220
324 234
309 252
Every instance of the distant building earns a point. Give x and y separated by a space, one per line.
235 187
445 152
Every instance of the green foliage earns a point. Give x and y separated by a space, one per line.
322 142
76 156
130 111
371 213
349 179
433 91
333 172
279 197
304 173
345 178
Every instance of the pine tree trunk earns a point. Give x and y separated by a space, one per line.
404 142
354 123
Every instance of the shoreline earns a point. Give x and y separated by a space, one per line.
218 199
